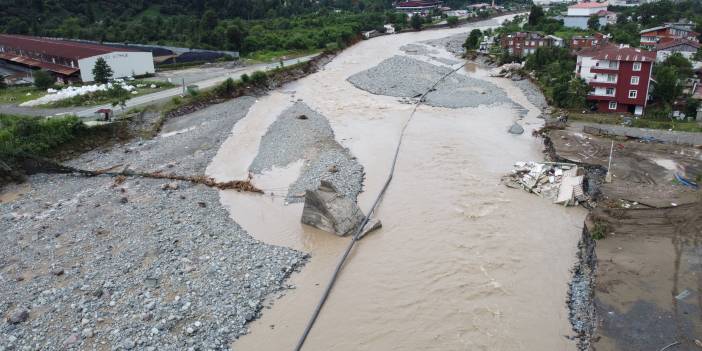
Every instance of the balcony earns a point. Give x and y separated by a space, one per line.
603 69
602 83
598 97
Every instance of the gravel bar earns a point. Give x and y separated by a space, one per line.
143 264
301 133
403 76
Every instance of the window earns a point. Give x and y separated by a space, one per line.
609 91
611 78
632 94
635 80
637 66
511 42
612 105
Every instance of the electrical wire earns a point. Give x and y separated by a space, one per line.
359 231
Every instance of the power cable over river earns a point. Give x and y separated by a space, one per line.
359 231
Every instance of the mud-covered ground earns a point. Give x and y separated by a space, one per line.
643 270
134 263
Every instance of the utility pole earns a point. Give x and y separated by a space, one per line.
608 177
183 86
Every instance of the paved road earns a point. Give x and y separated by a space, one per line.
87 112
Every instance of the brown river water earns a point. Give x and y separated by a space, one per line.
461 263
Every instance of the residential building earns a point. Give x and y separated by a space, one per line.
525 43
580 42
620 77
420 6
551 2
666 33
685 47
72 61
579 14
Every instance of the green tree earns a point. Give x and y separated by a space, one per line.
43 79
416 22
102 72
593 22
473 40
535 15
682 65
698 55
667 87
209 20
452 21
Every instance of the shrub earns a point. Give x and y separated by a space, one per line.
245 78
226 88
599 231
452 21
259 78
43 80
36 135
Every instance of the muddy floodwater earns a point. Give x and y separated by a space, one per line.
461 263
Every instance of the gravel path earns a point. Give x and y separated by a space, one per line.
403 76
302 133
532 93
87 263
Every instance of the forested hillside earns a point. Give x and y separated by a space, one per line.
245 25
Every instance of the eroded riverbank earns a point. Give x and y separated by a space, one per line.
461 261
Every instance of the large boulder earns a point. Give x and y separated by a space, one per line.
329 211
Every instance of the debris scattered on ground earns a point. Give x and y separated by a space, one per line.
506 69
329 211
136 275
560 182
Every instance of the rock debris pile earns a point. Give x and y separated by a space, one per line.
560 182
291 138
139 263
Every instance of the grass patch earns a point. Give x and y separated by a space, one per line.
36 135
18 95
599 230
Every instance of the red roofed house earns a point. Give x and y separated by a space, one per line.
665 34
580 42
69 61
525 43
620 77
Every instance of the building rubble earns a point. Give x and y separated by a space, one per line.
560 182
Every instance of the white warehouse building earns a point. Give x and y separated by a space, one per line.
72 61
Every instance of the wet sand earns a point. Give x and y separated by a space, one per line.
461 261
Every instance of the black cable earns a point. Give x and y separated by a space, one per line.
359 231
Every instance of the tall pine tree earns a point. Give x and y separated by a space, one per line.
102 71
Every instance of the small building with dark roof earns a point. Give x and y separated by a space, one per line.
685 47
72 61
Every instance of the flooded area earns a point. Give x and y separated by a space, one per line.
462 262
